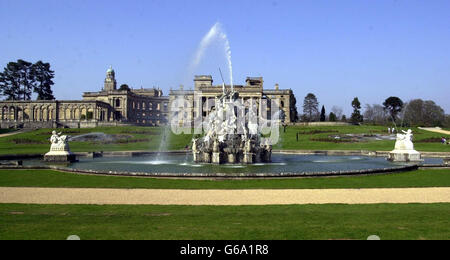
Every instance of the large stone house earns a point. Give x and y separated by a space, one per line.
108 107
147 107
205 92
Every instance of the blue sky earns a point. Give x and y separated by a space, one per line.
336 49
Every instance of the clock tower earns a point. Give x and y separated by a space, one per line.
110 80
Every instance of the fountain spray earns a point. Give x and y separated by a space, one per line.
215 33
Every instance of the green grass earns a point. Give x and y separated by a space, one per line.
388 221
149 139
134 139
307 142
47 178
6 131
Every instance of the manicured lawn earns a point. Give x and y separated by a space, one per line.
47 178
134 138
388 221
318 138
5 131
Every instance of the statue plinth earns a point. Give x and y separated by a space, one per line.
405 156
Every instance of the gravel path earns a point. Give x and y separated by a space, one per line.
12 133
222 197
435 130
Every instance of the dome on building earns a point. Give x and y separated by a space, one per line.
110 70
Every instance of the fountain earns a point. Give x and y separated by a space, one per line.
228 139
404 149
234 144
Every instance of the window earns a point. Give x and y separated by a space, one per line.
117 102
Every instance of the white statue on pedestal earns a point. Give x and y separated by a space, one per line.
404 141
59 143
404 149
59 149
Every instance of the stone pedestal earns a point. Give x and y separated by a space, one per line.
60 157
405 156
59 150
216 158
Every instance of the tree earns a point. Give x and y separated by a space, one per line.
323 116
332 117
10 82
124 87
356 117
423 113
375 114
294 113
338 111
447 121
310 107
344 118
393 105
19 79
16 81
43 76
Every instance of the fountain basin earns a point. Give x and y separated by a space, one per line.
283 165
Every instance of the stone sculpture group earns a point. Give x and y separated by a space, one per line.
59 149
229 140
404 149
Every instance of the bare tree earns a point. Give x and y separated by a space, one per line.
375 114
338 111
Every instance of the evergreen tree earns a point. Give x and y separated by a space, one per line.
43 80
393 105
310 106
356 115
332 117
20 79
323 116
16 80
10 82
26 79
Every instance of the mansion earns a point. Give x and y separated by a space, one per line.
112 106
108 107
198 102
